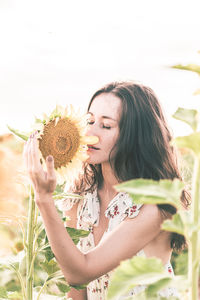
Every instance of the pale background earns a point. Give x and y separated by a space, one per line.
60 51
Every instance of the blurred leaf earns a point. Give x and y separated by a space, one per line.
23 135
76 234
135 271
3 292
63 287
174 225
154 192
79 287
50 266
37 120
49 255
152 289
59 189
190 67
181 263
189 116
15 296
191 141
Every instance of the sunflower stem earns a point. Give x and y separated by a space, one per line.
30 238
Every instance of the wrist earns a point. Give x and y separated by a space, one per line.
41 198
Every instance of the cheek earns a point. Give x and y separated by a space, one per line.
112 140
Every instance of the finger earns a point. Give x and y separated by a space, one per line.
35 153
50 168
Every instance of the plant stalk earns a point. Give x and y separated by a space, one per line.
30 238
193 264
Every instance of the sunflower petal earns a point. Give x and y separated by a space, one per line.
90 140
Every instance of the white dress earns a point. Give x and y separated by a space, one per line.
120 207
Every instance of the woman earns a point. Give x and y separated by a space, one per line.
134 142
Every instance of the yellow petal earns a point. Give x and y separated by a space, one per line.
90 140
82 156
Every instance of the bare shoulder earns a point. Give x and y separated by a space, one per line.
149 212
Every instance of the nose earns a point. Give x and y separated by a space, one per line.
92 130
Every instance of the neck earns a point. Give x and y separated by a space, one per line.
109 178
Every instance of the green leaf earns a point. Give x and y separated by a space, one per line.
3 292
190 67
154 192
37 120
59 189
49 255
76 234
50 266
135 271
79 287
191 142
153 289
23 135
63 287
15 295
174 225
181 263
189 116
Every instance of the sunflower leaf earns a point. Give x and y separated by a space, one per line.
152 289
191 142
153 192
23 135
189 116
63 287
190 67
136 271
3 293
76 234
79 287
50 266
174 225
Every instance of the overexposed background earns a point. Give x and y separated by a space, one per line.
60 51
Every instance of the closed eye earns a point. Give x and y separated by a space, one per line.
90 122
106 127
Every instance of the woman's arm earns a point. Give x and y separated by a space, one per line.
73 293
122 243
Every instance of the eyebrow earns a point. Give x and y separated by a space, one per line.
104 117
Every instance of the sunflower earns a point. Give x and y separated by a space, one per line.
62 135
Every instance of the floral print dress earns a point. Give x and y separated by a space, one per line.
119 208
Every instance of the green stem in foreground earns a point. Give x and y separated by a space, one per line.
193 264
30 238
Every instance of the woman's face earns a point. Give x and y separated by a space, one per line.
104 123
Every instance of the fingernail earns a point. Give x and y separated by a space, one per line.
49 158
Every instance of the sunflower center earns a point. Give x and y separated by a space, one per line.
61 144
61 141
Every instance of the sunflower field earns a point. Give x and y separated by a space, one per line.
28 269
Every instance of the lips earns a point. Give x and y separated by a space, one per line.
92 147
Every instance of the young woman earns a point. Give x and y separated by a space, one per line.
134 142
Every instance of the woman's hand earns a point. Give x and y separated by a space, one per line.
44 182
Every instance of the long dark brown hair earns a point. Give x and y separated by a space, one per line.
143 149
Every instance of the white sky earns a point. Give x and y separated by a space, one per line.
61 51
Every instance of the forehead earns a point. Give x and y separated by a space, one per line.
106 104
